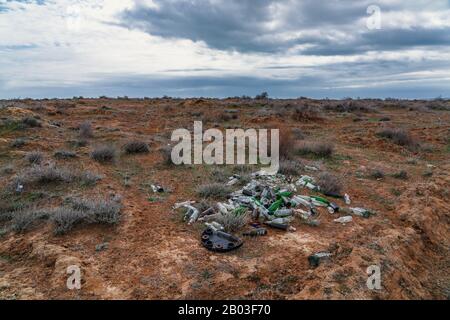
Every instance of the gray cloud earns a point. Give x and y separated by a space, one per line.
260 25
241 25
380 40
278 34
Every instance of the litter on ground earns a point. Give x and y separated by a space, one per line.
269 200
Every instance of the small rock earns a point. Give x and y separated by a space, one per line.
102 246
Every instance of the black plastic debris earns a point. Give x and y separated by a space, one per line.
316 258
220 241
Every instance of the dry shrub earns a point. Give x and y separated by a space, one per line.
25 219
86 211
18 143
80 211
286 144
399 137
226 117
99 210
219 174
105 153
316 148
402 175
290 167
166 153
377 174
350 106
66 218
64 154
89 178
85 130
306 112
262 96
235 220
213 190
31 122
329 184
45 175
41 174
136 146
34 157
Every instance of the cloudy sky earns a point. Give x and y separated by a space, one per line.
220 48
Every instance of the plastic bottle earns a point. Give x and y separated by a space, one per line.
215 226
345 219
283 213
222 208
284 220
192 214
302 200
319 201
277 225
347 199
361 212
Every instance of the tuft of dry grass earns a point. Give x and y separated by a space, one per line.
315 148
306 113
136 146
287 141
104 153
99 210
64 154
23 220
34 157
290 167
213 190
235 220
89 178
86 211
65 219
329 184
376 174
399 137
44 175
31 122
166 153
18 143
350 105
85 130
402 175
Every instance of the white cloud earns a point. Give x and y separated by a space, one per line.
70 43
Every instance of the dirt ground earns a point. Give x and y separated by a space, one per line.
153 254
